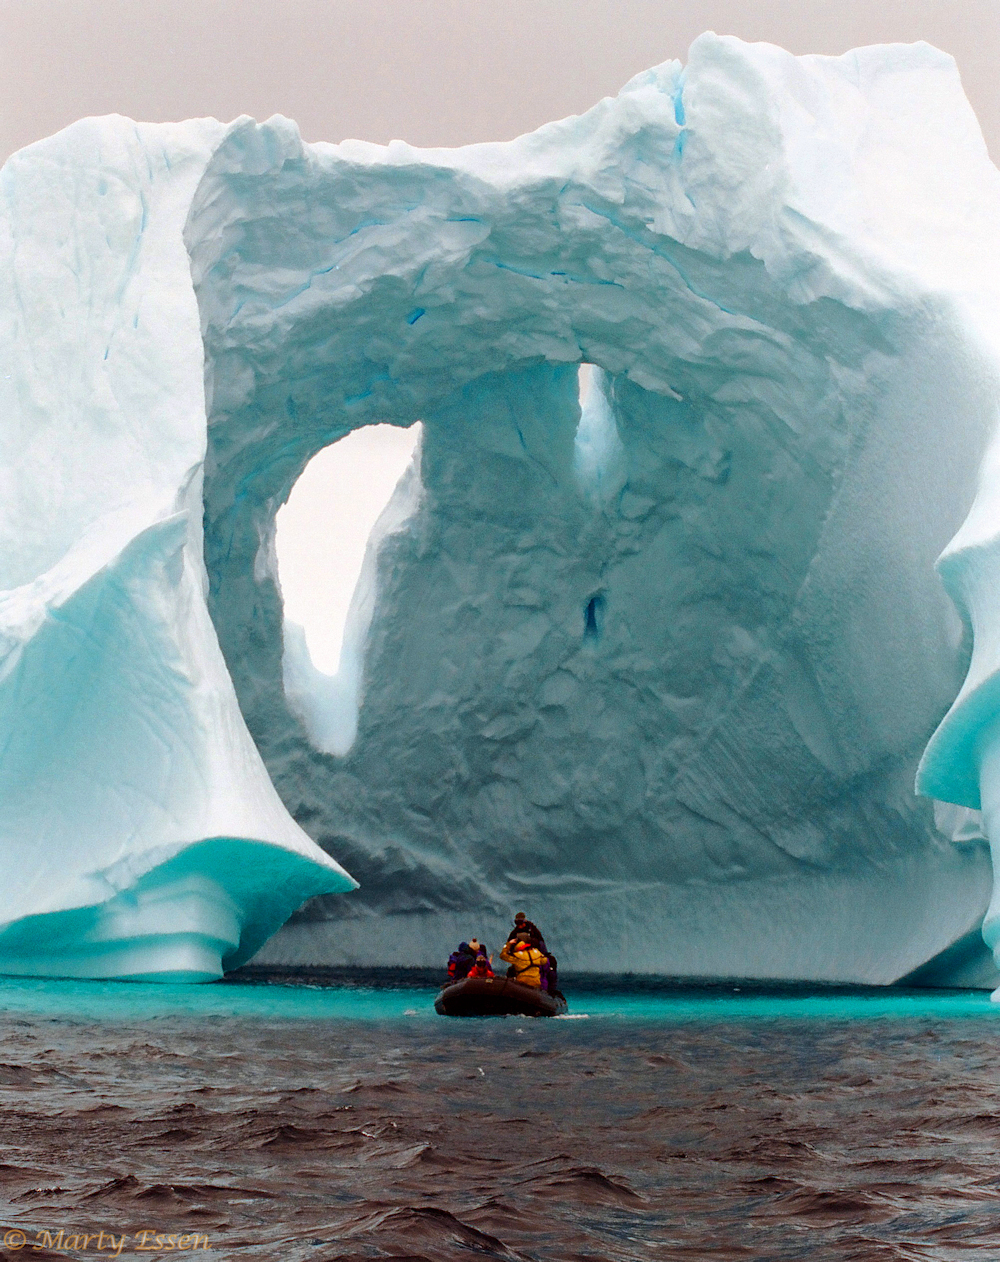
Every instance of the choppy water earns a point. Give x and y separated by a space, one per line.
297 1123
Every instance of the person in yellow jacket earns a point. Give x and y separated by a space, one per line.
525 960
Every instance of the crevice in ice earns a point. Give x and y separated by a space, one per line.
593 618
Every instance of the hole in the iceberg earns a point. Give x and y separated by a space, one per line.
598 456
593 618
347 499
588 380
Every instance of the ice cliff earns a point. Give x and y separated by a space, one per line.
659 670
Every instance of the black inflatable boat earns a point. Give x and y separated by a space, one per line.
497 997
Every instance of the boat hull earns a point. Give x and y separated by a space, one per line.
496 997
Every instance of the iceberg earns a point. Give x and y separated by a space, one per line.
650 638
140 833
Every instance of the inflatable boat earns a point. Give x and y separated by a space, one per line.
497 997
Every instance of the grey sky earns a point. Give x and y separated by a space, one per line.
433 72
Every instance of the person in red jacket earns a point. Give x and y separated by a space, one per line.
482 966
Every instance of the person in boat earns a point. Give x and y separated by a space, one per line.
526 961
523 925
550 974
460 961
482 966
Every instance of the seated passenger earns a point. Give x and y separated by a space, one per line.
525 961
482 967
460 961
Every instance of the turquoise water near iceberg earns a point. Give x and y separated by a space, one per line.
137 1001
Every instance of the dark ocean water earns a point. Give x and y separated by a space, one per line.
288 1123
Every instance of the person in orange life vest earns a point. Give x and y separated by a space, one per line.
525 960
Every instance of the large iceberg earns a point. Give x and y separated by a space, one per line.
656 659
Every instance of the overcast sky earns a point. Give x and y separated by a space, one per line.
432 72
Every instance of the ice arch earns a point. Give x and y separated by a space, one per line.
674 692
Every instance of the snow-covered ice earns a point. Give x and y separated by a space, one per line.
661 673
